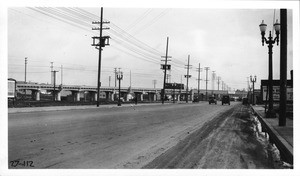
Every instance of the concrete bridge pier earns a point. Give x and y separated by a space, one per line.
139 96
93 96
152 96
191 98
178 97
76 95
142 97
36 95
109 95
58 96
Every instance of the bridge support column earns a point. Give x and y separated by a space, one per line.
58 96
93 96
36 94
76 96
152 96
109 96
142 97
192 95
112 96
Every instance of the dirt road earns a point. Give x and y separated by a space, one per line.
156 136
227 142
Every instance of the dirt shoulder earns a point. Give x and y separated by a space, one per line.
228 141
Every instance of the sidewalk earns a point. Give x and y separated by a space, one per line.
281 136
62 108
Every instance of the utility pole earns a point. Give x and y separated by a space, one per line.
222 85
219 82
109 81
213 81
206 69
25 68
115 71
167 78
165 67
248 84
103 41
154 83
61 71
180 88
199 70
283 67
51 72
54 82
130 79
119 77
187 79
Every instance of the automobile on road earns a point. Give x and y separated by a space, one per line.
225 100
212 100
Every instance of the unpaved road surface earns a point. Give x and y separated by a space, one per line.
227 142
157 136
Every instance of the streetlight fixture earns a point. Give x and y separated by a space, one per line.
270 41
119 77
253 80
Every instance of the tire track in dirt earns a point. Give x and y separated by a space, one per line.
178 154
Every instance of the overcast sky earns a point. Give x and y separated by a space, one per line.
227 40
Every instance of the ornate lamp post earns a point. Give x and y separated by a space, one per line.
119 77
270 41
253 80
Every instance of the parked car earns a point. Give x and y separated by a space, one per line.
212 100
245 101
225 99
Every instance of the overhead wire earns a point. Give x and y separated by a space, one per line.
78 18
138 20
62 16
122 33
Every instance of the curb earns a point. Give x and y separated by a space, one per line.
64 108
286 150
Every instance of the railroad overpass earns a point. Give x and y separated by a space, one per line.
107 93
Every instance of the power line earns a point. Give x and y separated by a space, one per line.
138 20
77 18
54 12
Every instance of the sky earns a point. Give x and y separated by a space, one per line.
223 36
227 40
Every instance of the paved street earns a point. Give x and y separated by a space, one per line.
157 136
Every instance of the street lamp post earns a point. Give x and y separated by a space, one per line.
270 41
119 77
253 80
